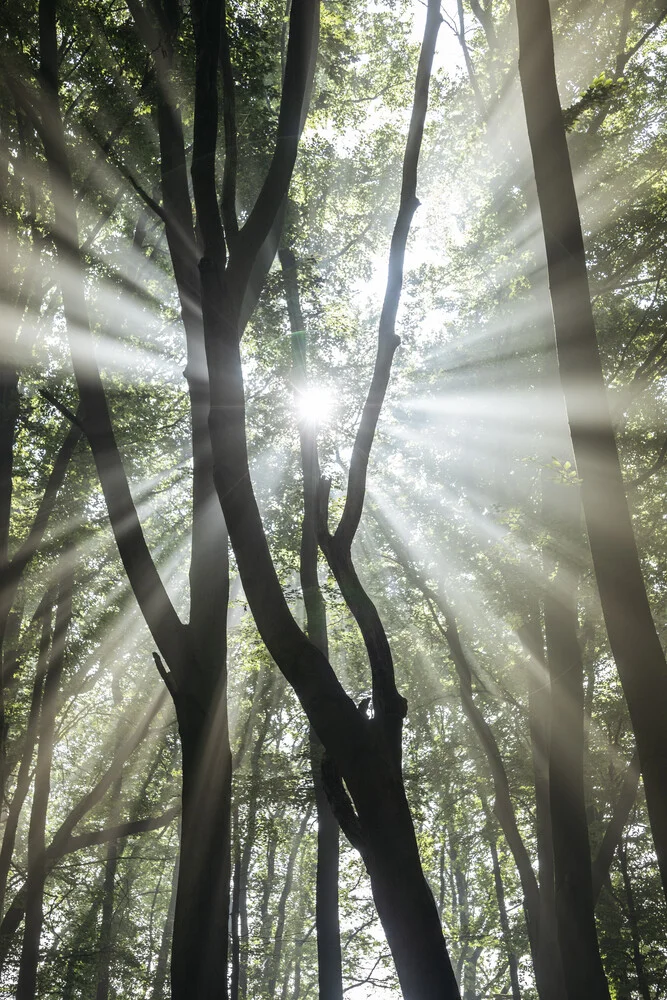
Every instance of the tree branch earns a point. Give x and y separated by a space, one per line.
297 86
387 339
163 622
614 831
129 829
229 218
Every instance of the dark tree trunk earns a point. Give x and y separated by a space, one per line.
199 950
105 937
632 635
235 912
194 656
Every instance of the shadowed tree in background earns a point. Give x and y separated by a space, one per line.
634 641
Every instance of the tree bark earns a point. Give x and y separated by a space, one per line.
632 635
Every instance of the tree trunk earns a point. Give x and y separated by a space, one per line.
512 963
25 766
329 962
575 916
199 950
195 656
274 963
27 981
113 852
632 635
9 412
540 718
638 958
160 977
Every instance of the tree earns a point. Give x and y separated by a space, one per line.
484 611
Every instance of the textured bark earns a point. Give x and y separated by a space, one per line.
632 635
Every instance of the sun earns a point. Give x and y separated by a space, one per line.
314 406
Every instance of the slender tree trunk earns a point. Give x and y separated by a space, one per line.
512 963
632 635
462 908
78 944
281 914
235 913
329 961
113 852
105 937
23 776
9 412
470 975
540 717
640 970
575 915
37 864
160 977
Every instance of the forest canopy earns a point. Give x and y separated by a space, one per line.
332 529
